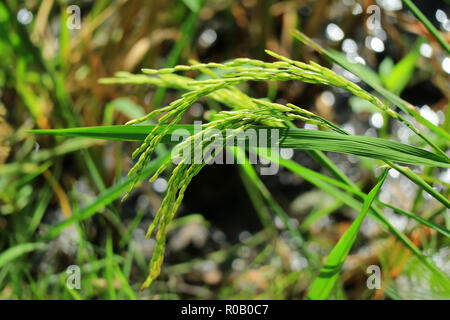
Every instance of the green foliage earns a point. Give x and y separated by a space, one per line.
48 87
324 283
19 250
295 138
248 113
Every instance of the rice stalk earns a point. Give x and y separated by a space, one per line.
247 112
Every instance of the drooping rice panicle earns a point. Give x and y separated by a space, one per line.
184 172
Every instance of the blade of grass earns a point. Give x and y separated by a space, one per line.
329 274
109 270
304 139
19 250
44 199
64 148
421 220
73 293
419 15
257 200
318 214
133 225
124 281
402 72
420 182
125 106
250 172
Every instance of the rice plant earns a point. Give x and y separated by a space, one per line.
246 113
338 144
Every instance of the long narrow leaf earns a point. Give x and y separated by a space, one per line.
19 250
304 139
419 15
326 280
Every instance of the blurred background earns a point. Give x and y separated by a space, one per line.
220 246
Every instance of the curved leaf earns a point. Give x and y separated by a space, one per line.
295 138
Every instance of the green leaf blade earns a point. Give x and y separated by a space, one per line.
302 139
329 274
